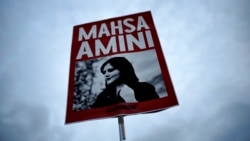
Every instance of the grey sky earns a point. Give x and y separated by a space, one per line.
207 49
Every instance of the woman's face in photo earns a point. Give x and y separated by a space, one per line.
110 73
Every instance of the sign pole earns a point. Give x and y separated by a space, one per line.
121 128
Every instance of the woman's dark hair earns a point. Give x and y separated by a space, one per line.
126 69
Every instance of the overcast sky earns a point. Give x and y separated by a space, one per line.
206 45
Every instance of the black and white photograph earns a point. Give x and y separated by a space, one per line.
121 78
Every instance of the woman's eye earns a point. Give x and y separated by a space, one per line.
111 69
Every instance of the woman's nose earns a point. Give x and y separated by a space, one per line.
106 74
